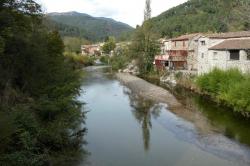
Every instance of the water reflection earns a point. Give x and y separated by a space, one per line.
222 119
143 110
192 135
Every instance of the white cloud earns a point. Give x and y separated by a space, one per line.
127 11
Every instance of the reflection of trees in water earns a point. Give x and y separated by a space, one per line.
209 116
143 110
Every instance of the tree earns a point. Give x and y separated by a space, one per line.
38 89
147 11
145 46
109 45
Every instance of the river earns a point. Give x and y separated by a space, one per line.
127 130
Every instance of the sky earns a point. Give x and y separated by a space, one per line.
127 11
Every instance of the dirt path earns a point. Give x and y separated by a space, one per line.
148 91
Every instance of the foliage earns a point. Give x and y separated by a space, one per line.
148 10
38 89
121 58
230 87
105 59
79 60
73 24
203 16
73 44
109 45
144 47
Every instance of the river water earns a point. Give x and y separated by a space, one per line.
126 130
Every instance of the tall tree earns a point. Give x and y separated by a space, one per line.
147 11
145 46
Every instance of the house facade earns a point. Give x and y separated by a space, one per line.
162 61
224 51
183 52
91 50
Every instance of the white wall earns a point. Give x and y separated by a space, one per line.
222 61
204 60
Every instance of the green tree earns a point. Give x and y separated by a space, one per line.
109 45
144 45
38 89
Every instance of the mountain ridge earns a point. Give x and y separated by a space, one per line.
203 16
92 28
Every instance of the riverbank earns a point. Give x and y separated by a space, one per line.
225 88
147 90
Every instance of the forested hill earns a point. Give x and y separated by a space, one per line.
204 16
76 24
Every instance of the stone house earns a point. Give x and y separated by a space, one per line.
91 50
224 51
161 61
183 52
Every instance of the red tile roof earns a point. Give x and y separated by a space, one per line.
229 35
186 37
232 44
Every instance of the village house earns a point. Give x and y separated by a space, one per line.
224 51
183 52
162 61
91 50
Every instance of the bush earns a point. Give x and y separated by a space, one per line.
239 96
230 87
79 60
105 59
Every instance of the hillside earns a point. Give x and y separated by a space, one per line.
204 16
75 24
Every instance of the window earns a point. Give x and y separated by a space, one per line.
167 63
248 54
202 55
203 43
175 43
234 55
215 55
184 44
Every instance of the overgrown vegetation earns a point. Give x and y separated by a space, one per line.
231 88
109 45
144 44
73 44
40 117
203 16
79 60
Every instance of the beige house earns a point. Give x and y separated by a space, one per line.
224 51
91 50
184 51
231 53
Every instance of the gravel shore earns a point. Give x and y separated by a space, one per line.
147 90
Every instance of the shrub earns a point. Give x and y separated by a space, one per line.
79 60
230 87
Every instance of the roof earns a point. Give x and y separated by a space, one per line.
229 35
232 44
186 37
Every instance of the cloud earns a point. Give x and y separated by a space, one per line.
127 11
